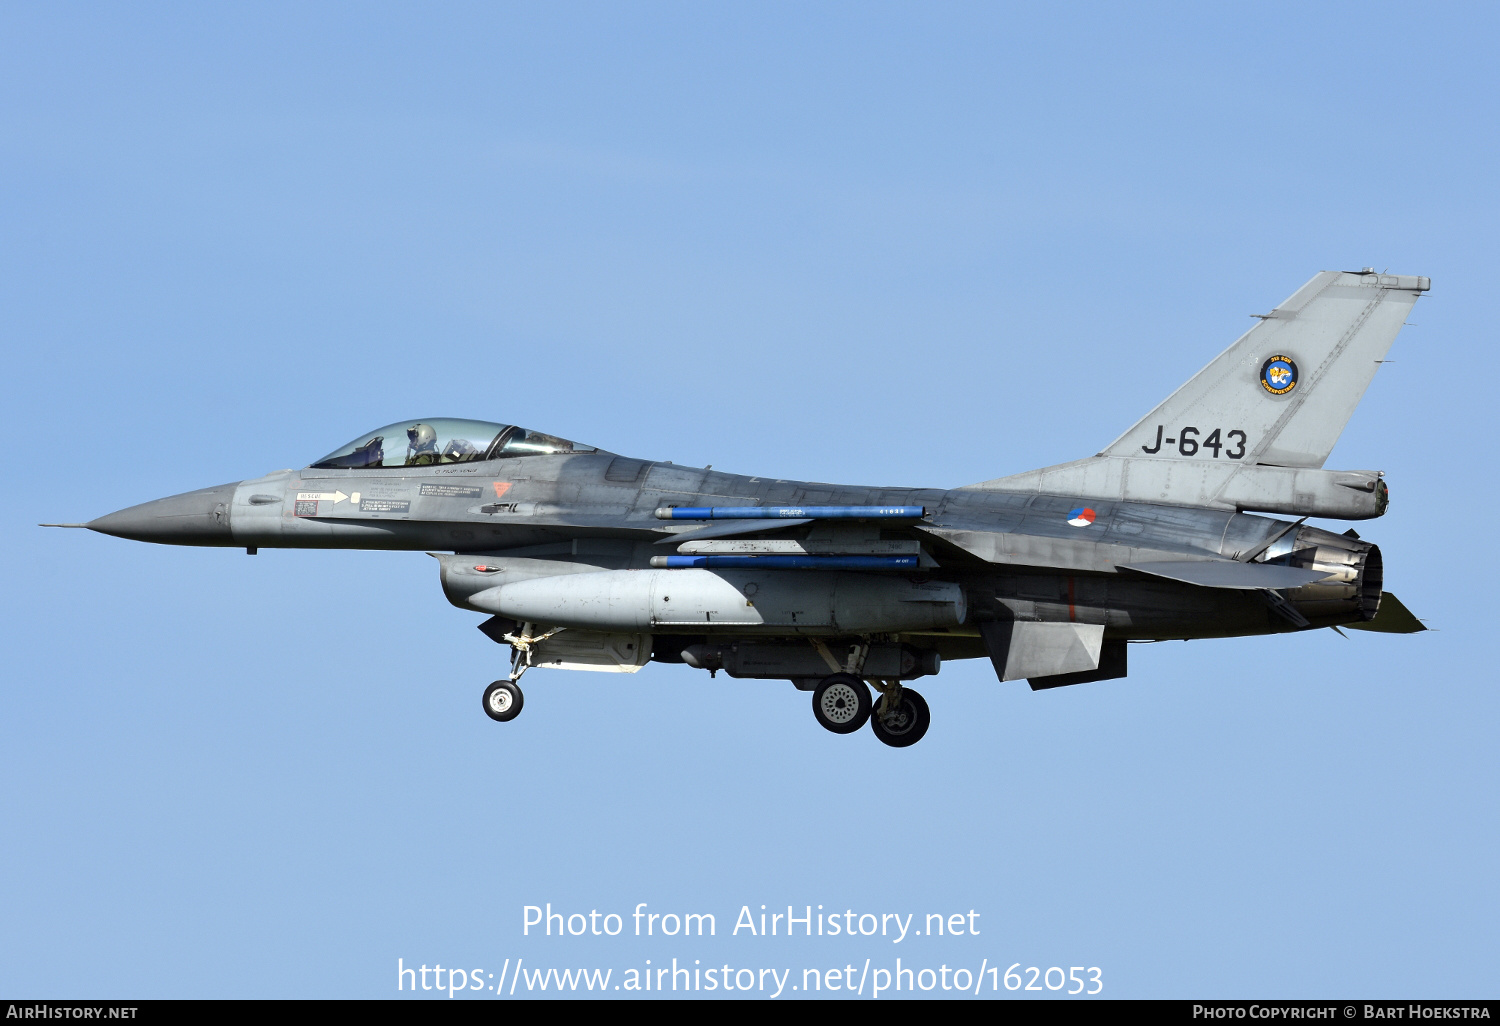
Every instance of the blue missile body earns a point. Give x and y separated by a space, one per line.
791 512
785 562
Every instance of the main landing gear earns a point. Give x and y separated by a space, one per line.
841 703
900 717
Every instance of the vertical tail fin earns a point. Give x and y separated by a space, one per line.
1283 392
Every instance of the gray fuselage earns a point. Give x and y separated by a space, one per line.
1017 555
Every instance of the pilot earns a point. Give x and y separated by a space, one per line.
421 445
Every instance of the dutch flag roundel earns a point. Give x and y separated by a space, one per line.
1081 517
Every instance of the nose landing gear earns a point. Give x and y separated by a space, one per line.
503 698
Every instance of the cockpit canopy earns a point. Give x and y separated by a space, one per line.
420 443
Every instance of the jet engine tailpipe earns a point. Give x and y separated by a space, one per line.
1357 575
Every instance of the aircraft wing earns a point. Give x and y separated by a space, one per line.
722 544
1049 552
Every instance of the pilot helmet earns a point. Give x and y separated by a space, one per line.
421 438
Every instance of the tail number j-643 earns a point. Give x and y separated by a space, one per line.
1188 442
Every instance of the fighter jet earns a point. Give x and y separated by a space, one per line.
584 559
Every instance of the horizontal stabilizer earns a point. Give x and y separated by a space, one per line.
1391 618
1213 573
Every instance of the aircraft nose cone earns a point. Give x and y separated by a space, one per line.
192 518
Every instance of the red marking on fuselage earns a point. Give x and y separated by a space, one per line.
501 487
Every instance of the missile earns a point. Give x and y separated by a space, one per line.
786 562
799 547
791 512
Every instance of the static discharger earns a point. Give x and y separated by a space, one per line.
791 512
784 562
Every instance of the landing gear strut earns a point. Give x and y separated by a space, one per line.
503 699
841 703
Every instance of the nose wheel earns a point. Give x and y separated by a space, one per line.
503 700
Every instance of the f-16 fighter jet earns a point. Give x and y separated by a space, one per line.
583 559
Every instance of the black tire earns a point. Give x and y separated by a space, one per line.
503 701
841 703
904 725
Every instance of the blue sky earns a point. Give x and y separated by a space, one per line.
865 243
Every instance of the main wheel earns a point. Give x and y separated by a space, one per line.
503 700
905 724
841 703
